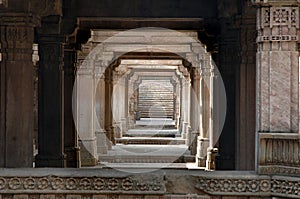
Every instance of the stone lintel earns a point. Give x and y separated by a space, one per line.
131 23
144 62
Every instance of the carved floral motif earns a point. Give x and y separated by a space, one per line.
54 183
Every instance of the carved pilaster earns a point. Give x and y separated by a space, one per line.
16 90
278 81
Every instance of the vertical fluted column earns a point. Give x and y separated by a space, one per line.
277 82
17 91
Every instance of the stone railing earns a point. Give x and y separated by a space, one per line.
279 153
161 184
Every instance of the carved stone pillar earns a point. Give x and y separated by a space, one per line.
277 85
116 100
205 112
51 95
17 91
131 99
195 112
108 108
100 110
123 98
70 133
187 105
85 101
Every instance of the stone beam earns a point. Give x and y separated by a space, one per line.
131 23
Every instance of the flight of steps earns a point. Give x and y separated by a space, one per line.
149 145
155 99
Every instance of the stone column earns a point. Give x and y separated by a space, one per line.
99 117
195 112
51 95
123 98
131 98
278 86
205 111
108 108
116 101
17 91
85 103
186 107
70 133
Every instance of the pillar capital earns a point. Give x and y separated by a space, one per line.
20 19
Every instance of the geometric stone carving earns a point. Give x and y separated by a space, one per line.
279 153
250 186
146 186
280 16
52 184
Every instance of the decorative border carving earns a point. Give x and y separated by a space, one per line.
251 186
279 169
53 184
235 186
277 38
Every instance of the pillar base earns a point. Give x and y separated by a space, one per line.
202 146
194 143
73 157
50 161
109 142
118 129
88 152
211 159
101 142
184 130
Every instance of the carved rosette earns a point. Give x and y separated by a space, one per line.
51 184
250 186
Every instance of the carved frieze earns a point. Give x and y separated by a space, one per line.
52 184
250 186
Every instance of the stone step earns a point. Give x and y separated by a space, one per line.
141 159
152 133
146 154
150 140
